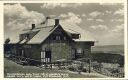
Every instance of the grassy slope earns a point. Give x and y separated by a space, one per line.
12 67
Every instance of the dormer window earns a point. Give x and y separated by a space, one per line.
27 36
21 37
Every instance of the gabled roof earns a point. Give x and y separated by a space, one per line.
42 35
45 31
29 31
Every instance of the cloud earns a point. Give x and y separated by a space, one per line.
19 18
71 18
71 22
63 5
99 27
18 14
114 36
108 11
119 12
90 19
95 14
117 20
63 15
100 20
118 28
83 15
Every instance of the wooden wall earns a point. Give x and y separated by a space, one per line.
86 48
33 52
59 50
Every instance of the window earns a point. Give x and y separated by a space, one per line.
64 38
73 53
22 37
46 56
27 36
79 50
43 56
57 37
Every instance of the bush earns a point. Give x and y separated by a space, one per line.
84 70
72 69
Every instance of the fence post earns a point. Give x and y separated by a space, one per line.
89 65
51 65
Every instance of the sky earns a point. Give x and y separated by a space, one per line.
104 22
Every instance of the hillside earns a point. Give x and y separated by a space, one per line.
109 54
113 49
108 58
11 67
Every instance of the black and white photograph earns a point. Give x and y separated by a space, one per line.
64 40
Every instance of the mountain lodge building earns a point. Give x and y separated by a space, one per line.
51 43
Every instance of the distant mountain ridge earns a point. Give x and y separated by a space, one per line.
114 49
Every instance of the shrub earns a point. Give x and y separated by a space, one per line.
84 70
72 69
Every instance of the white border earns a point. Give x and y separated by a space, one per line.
62 1
1 40
126 41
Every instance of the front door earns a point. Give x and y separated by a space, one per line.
46 56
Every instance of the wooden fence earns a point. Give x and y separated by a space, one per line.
48 65
101 70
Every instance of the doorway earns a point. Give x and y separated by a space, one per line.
21 52
46 56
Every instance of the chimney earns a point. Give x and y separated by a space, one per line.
56 22
33 26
